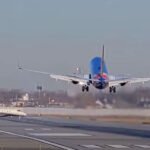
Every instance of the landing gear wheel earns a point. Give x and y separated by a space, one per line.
112 89
85 88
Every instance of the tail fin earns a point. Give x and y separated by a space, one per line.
97 65
102 61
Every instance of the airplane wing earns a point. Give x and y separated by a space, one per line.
83 81
72 78
126 81
69 78
34 71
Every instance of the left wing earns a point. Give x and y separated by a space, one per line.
70 78
127 80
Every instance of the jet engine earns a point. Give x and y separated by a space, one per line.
75 82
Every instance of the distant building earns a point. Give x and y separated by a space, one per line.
25 97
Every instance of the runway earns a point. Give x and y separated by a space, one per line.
47 133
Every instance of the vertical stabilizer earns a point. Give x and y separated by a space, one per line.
102 61
97 65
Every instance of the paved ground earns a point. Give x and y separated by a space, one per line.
46 133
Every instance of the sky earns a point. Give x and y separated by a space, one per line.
57 36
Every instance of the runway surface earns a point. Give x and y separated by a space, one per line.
46 133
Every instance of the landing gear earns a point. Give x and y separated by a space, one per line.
112 89
85 88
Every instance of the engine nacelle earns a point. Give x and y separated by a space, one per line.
75 82
123 84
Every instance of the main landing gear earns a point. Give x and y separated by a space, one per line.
112 89
85 88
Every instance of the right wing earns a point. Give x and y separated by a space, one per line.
127 80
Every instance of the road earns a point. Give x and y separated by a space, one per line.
48 133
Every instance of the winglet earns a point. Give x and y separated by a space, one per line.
19 67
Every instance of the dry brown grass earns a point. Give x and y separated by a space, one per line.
125 119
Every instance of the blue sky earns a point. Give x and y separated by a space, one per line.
59 35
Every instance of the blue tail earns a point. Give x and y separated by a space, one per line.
95 66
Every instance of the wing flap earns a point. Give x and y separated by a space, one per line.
72 78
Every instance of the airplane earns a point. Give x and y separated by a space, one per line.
98 77
4 112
